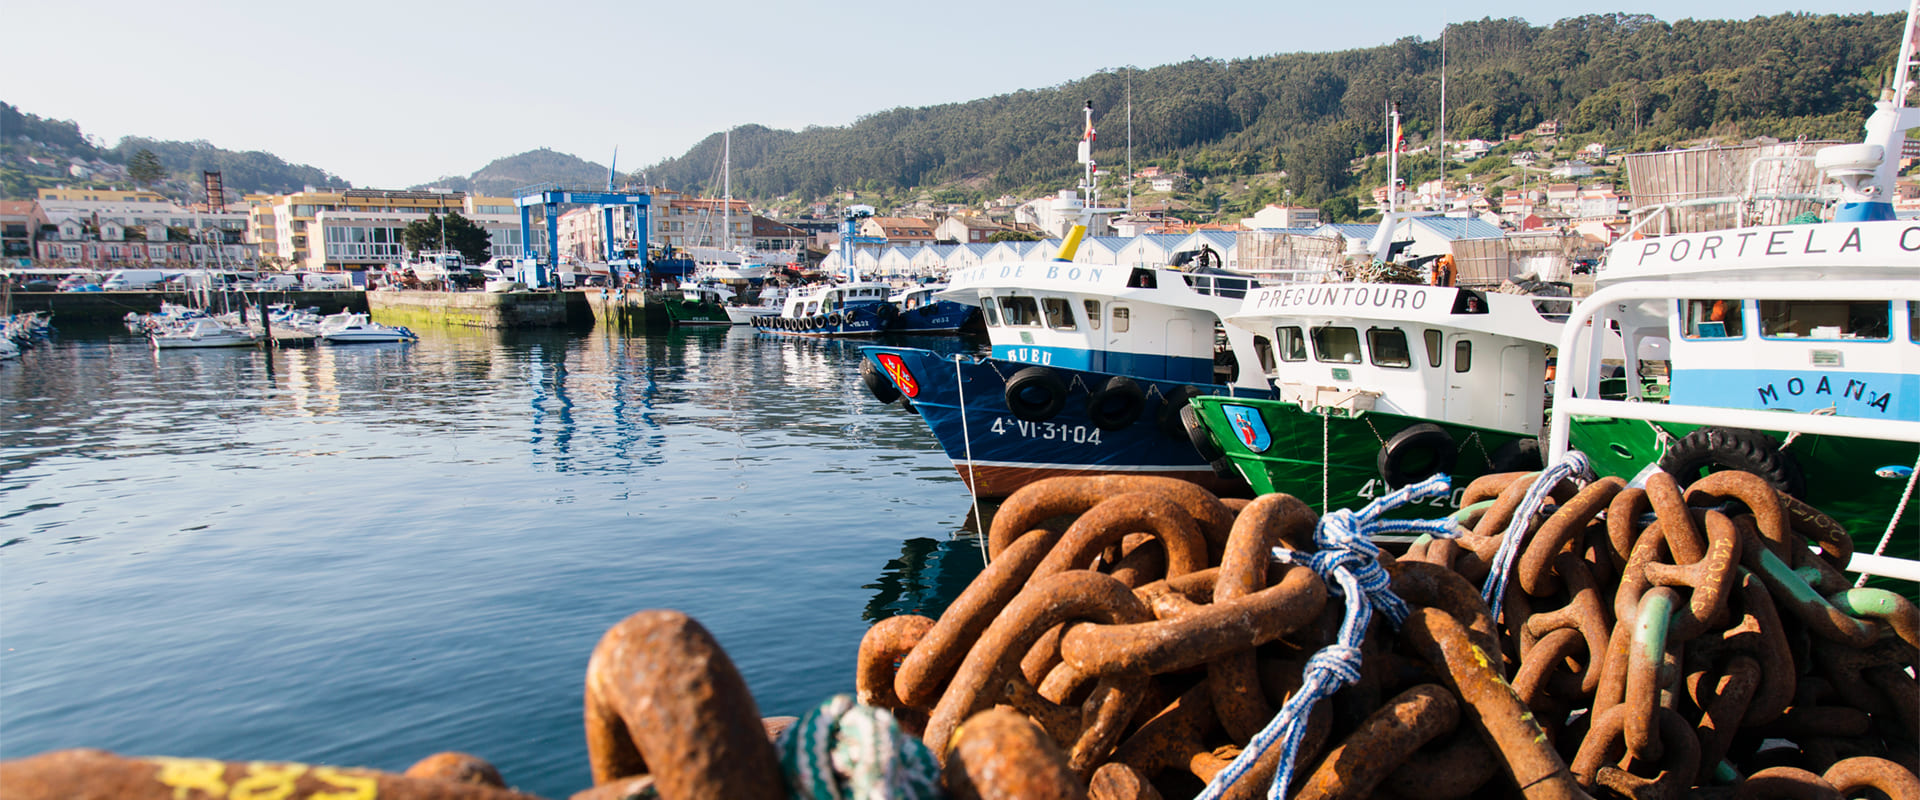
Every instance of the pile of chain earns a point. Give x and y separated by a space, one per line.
1652 643
1139 637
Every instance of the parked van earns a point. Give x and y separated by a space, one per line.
277 282
134 279
324 281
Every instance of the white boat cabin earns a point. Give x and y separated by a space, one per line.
1434 352
707 292
1148 322
809 301
1821 318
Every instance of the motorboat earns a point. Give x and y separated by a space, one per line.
356 328
201 332
833 309
699 303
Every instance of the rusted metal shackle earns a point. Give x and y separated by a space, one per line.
881 651
992 665
664 699
999 753
100 775
1498 714
1209 631
1233 679
1045 499
934 659
1121 514
1849 776
1351 770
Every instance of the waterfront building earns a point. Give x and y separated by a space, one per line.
108 229
20 223
360 229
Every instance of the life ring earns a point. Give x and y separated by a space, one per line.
834 319
1117 404
1036 394
1711 449
1204 444
1416 453
1169 415
877 383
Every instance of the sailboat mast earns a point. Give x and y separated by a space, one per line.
1130 172
726 191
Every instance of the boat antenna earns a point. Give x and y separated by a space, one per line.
1129 140
1383 237
1866 171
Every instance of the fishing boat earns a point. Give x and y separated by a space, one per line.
1089 368
356 328
698 303
1792 346
1382 383
201 332
853 308
772 300
921 310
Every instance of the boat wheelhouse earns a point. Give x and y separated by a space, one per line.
921 311
1381 385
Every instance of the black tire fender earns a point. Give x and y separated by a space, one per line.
878 384
1204 444
1519 455
1036 394
835 319
1169 415
1117 403
1400 463
1712 448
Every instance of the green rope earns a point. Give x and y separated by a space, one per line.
842 750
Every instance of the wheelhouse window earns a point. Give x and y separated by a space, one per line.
1913 322
1263 348
1020 311
1462 356
1826 319
991 311
1293 343
1710 319
1336 345
1435 351
1093 313
1388 346
1122 319
1059 314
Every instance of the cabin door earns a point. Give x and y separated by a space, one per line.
1464 374
1179 350
1514 386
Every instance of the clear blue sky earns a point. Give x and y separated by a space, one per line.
390 94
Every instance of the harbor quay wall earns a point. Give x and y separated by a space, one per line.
102 307
480 309
630 309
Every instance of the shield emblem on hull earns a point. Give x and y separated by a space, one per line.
1246 424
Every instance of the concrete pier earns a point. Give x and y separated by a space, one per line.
627 309
479 309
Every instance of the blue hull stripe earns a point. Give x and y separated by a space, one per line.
1867 395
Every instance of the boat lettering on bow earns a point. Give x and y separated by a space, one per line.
1785 242
1356 296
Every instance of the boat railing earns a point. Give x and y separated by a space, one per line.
1232 286
1579 366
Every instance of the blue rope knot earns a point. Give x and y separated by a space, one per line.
1337 661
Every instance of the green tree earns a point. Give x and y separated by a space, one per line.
1011 236
145 168
460 234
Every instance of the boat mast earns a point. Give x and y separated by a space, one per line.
1866 171
1444 206
726 191
1383 236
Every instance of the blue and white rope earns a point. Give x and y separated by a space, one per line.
1573 465
1348 560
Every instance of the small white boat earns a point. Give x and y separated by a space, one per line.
202 332
352 328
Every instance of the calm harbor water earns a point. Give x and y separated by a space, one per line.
363 555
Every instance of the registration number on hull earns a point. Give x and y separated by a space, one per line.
1378 488
1047 431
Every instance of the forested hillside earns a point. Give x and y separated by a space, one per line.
36 153
501 177
1632 81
